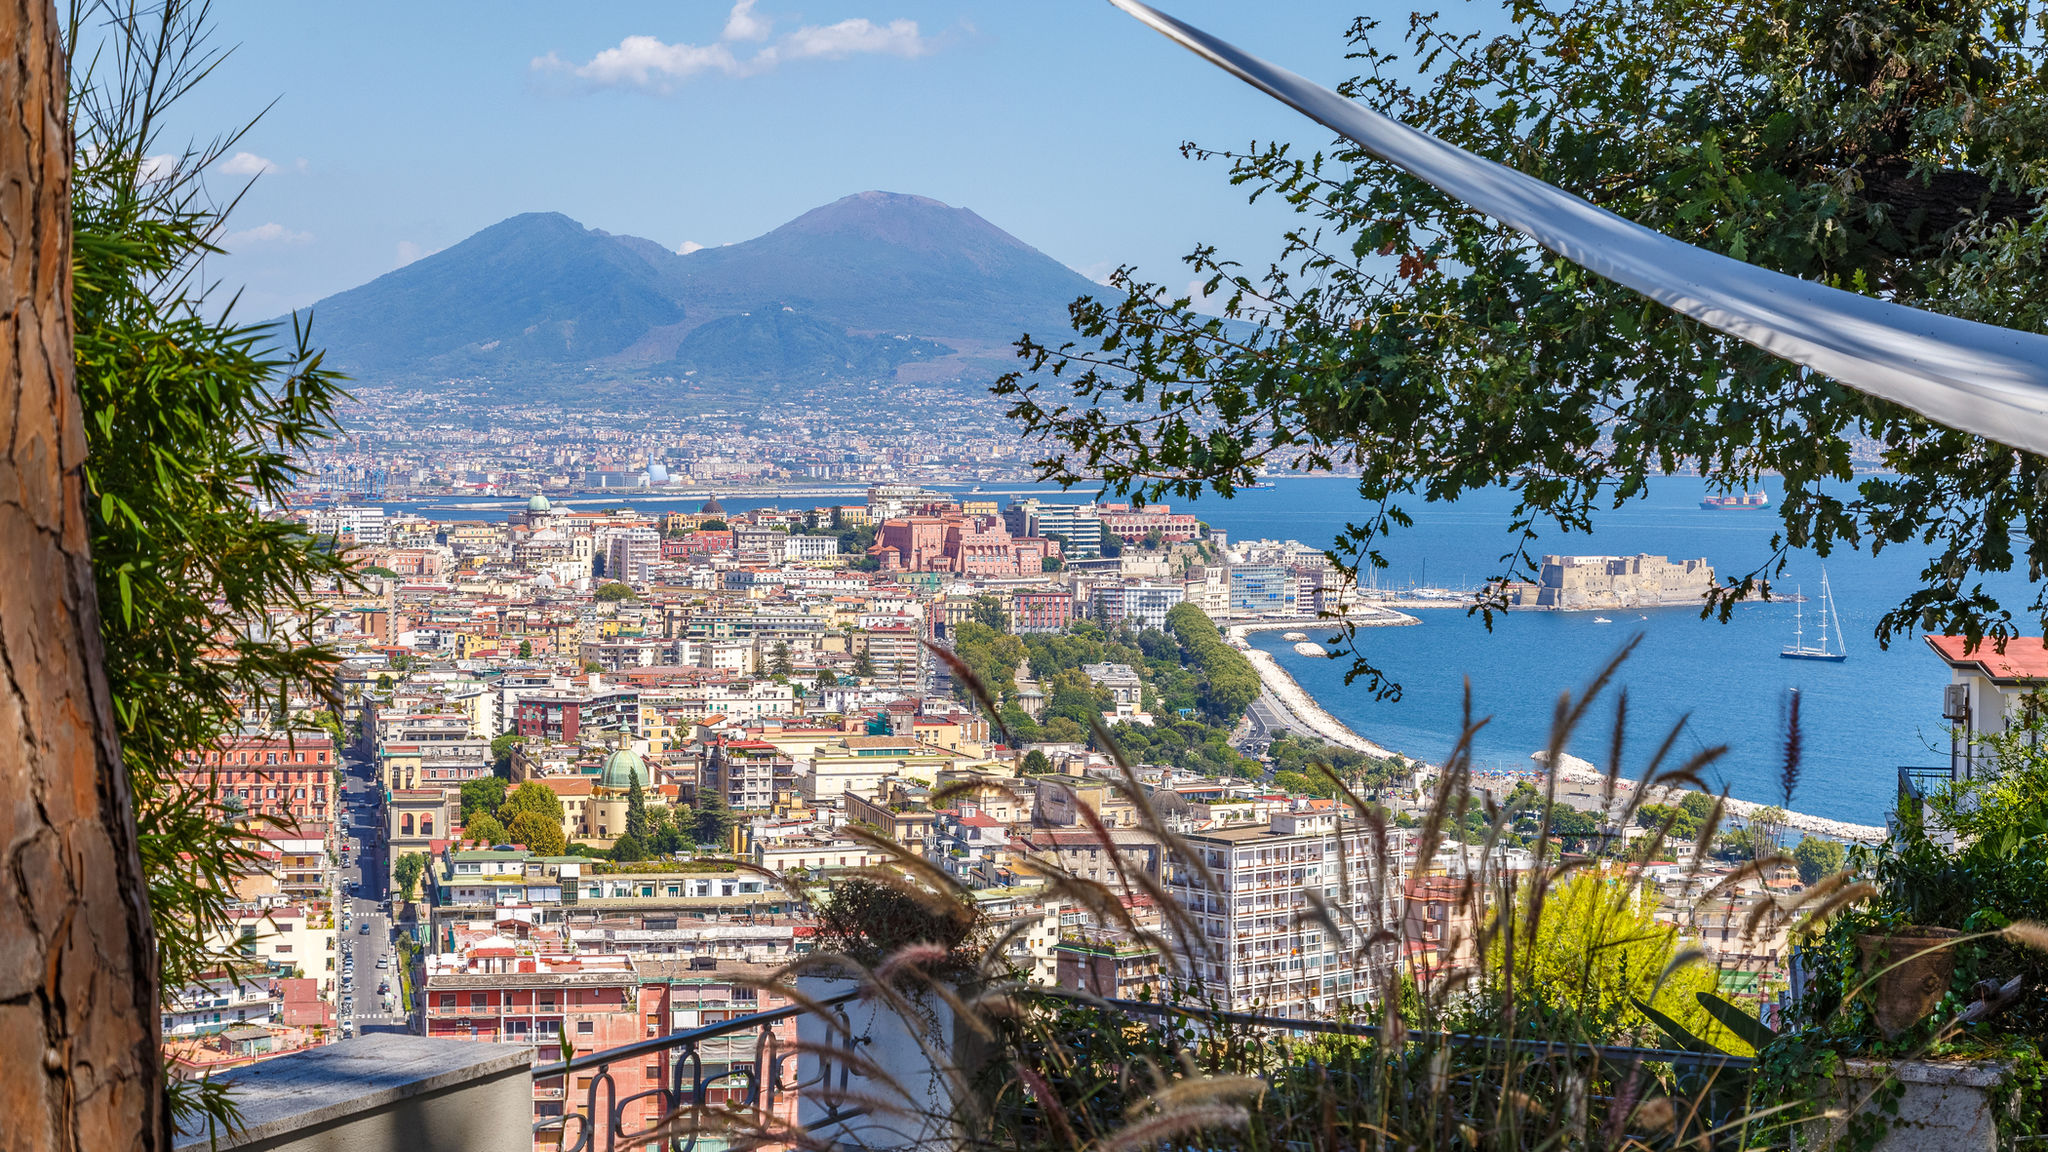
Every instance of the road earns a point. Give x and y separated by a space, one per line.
365 941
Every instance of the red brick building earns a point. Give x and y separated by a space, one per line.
1048 610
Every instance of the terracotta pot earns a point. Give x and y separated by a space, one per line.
1916 979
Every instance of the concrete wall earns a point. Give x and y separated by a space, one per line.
383 1093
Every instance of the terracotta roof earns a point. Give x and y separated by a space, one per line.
2024 658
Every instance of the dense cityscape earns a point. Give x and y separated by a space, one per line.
545 608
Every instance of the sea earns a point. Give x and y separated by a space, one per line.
1716 684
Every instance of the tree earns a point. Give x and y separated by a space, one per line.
501 753
1437 352
1051 564
863 664
1036 763
526 649
1111 543
1597 948
1817 858
613 592
484 828
714 818
537 832
827 679
407 873
637 826
714 526
987 611
1766 826
628 849
482 797
79 960
531 798
592 666
779 663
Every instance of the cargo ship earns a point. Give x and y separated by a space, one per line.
1740 503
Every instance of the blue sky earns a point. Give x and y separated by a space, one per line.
399 129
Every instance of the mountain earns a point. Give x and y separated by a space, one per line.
536 288
858 288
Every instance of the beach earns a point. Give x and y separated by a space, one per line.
1579 782
1283 687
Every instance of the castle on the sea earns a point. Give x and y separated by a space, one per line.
1586 582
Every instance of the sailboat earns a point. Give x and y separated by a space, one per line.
1800 650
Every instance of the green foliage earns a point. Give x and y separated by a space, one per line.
988 612
532 796
714 820
407 873
501 753
714 526
1598 949
1817 858
613 592
1229 682
485 828
526 649
992 655
1051 564
482 797
1036 763
193 423
628 849
779 663
1893 150
537 832
637 826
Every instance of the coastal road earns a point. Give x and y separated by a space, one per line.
1269 717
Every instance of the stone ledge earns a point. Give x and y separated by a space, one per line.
325 1086
1946 1073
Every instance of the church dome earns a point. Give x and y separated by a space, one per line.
623 767
539 503
712 507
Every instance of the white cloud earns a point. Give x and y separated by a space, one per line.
246 164
652 63
690 246
742 24
647 62
272 233
155 168
856 37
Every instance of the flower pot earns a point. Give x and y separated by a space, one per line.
1915 973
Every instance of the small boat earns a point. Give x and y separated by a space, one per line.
1743 503
1602 620
1800 649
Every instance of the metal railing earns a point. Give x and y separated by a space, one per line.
758 1085
1916 785
755 1086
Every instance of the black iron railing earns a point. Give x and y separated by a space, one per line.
1916 785
754 1084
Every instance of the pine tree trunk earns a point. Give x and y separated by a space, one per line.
79 1058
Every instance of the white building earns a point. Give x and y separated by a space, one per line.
1259 943
630 553
363 524
805 549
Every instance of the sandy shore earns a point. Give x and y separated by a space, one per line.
1589 780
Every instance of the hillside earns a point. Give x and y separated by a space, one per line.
854 289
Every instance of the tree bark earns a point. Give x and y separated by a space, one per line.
80 1064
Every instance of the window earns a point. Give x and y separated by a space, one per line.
585 1027
447 999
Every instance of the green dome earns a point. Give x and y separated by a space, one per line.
623 767
539 503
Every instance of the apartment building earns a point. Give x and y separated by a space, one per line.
1258 942
1135 605
288 775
